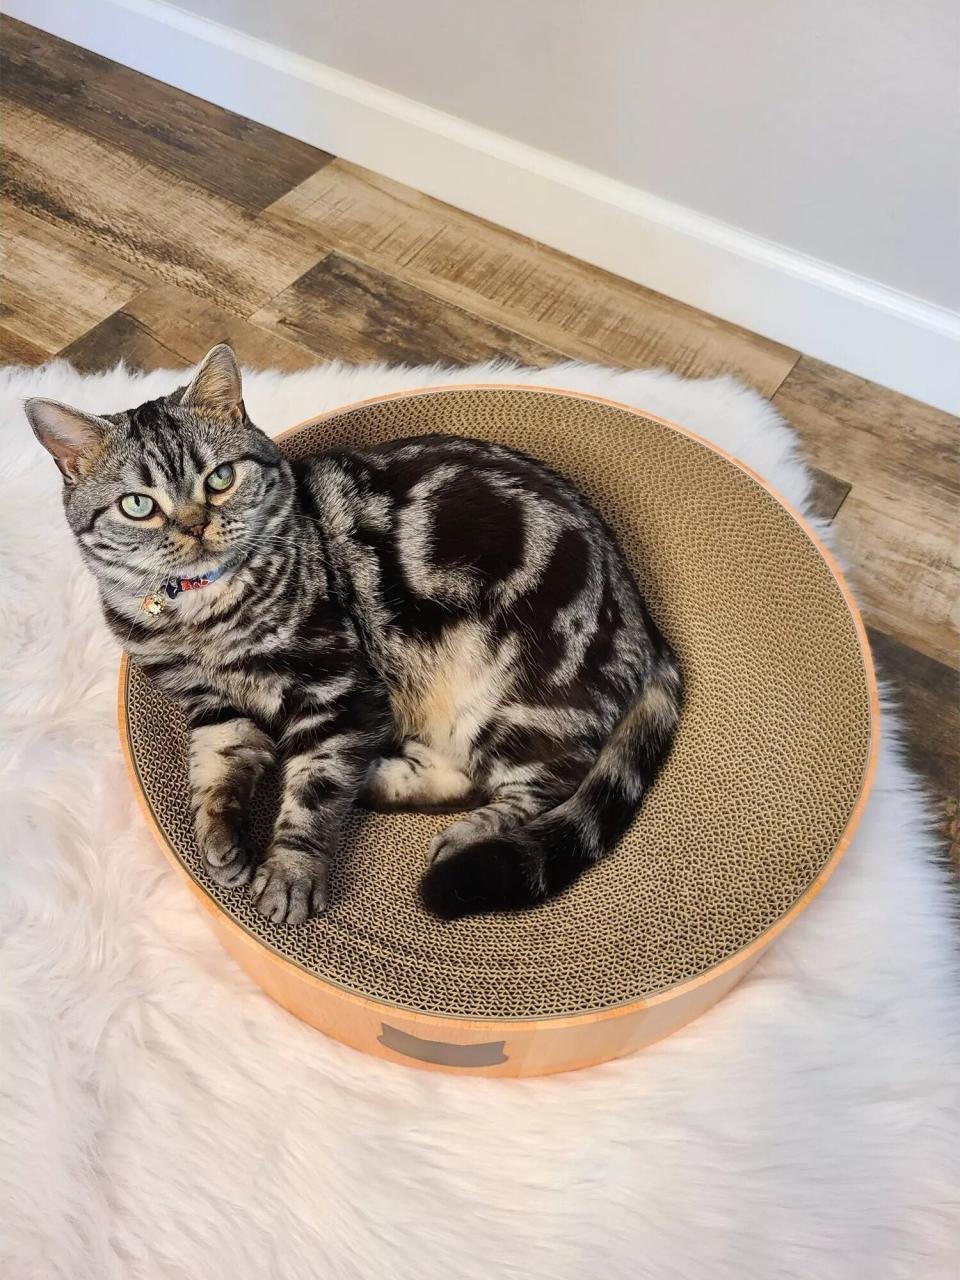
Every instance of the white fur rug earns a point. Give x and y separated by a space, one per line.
162 1118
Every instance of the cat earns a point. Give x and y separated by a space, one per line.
434 622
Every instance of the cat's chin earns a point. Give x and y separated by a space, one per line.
221 563
199 568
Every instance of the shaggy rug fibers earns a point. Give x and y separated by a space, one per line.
162 1118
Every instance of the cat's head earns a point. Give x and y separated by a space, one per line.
180 486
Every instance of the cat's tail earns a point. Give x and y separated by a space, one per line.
524 867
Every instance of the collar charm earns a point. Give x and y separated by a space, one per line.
157 600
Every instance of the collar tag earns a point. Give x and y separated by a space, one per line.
157 600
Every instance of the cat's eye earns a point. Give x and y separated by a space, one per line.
222 478
137 506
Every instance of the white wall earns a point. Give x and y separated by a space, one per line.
790 165
828 126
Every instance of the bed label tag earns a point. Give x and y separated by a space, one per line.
440 1052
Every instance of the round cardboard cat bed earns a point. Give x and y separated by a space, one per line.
765 784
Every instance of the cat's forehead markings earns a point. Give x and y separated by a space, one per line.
149 414
94 460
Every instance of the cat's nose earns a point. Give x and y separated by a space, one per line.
197 530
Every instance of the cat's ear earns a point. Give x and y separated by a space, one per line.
71 436
216 387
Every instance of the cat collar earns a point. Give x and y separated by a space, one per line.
156 601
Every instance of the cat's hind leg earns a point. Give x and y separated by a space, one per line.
518 793
417 778
511 807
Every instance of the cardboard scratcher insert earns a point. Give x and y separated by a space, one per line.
759 797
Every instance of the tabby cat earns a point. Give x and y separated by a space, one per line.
433 622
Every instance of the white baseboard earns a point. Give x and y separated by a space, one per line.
893 338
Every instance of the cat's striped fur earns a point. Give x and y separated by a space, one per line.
430 622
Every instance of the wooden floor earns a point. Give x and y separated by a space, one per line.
143 223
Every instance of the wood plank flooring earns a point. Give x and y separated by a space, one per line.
576 309
899 522
166 326
55 284
222 153
142 223
346 308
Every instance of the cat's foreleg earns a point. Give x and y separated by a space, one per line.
228 754
325 749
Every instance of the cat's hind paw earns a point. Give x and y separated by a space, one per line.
419 779
452 839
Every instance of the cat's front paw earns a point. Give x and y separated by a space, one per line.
289 887
234 871
228 861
